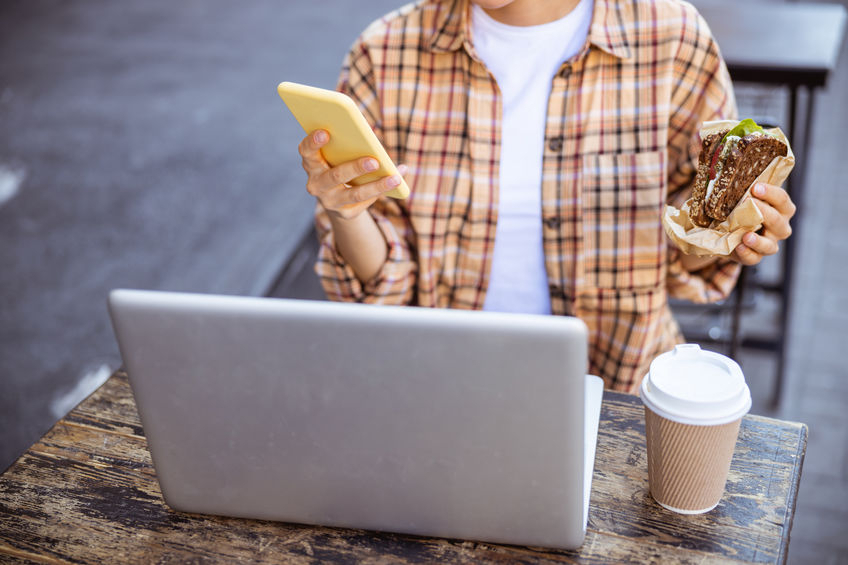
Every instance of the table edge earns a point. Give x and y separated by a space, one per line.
794 486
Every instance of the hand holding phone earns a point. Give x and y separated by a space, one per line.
351 137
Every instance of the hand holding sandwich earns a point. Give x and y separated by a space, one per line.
737 207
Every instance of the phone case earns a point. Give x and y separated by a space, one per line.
351 137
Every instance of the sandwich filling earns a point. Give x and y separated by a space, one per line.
718 160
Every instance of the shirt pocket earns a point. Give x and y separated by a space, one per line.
623 239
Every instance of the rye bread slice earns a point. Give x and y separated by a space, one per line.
697 206
746 161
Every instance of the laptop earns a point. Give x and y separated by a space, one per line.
435 422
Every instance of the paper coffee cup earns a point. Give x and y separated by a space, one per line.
694 402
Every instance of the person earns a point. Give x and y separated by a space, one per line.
541 141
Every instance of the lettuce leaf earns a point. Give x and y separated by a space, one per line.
743 128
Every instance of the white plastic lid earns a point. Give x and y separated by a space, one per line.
692 386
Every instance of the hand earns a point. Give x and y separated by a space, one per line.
329 184
777 209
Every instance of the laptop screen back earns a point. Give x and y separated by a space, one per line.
434 422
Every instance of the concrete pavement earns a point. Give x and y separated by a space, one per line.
142 145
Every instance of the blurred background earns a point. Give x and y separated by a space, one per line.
143 145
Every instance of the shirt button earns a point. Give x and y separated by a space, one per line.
566 71
554 289
555 143
553 222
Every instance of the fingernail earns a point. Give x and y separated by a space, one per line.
759 190
750 239
371 164
393 181
320 136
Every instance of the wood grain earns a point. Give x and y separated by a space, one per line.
87 493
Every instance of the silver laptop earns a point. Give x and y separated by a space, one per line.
449 423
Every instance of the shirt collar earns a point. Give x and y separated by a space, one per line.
608 30
452 24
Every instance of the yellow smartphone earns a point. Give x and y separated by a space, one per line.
351 136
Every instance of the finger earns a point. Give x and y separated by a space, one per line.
346 172
310 151
746 255
776 197
774 221
760 244
370 190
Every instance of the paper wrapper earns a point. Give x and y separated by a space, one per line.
721 238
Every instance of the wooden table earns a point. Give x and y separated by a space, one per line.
87 493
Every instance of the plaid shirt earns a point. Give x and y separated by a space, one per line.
621 141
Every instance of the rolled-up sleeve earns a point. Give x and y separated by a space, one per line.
395 281
703 92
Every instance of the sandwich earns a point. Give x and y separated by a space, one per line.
729 162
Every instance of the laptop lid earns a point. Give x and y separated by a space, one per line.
460 424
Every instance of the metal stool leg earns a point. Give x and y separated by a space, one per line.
736 316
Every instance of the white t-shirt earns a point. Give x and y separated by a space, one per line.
523 61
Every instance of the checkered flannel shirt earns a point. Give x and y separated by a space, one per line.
621 142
